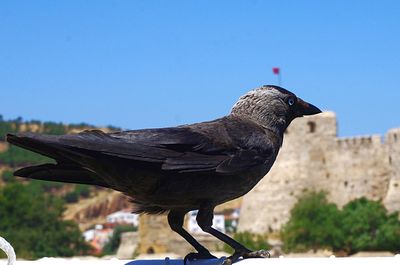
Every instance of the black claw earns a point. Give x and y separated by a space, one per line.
231 259
198 255
246 255
228 261
257 254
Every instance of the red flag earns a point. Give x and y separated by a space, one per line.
275 70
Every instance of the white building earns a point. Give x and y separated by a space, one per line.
123 217
98 237
218 223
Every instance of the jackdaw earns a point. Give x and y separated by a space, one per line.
177 169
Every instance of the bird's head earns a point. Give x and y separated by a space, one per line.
272 107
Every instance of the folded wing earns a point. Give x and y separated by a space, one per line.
178 149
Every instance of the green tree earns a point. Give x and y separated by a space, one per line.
8 176
32 223
82 190
71 197
15 156
6 127
368 226
362 225
314 224
54 128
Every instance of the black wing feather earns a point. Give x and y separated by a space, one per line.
178 149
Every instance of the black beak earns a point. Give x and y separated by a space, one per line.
305 108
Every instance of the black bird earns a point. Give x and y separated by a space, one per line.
179 169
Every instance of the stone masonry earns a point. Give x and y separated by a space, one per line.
314 158
155 236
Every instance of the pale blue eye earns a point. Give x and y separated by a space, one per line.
291 101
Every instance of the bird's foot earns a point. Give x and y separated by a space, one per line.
197 256
246 255
262 253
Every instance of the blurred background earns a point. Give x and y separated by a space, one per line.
67 66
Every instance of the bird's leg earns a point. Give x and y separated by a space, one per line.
204 219
175 221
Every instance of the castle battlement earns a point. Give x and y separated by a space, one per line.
359 141
393 136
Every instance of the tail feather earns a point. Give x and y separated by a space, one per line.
66 170
61 173
35 143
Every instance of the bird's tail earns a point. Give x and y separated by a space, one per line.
66 170
42 144
60 173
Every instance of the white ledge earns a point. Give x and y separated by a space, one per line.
272 261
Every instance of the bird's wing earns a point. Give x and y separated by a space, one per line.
195 152
177 149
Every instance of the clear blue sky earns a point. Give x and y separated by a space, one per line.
139 64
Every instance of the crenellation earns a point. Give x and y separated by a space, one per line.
314 158
393 135
359 141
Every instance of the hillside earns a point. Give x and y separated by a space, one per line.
85 204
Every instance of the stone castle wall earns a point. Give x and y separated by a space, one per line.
392 199
314 158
